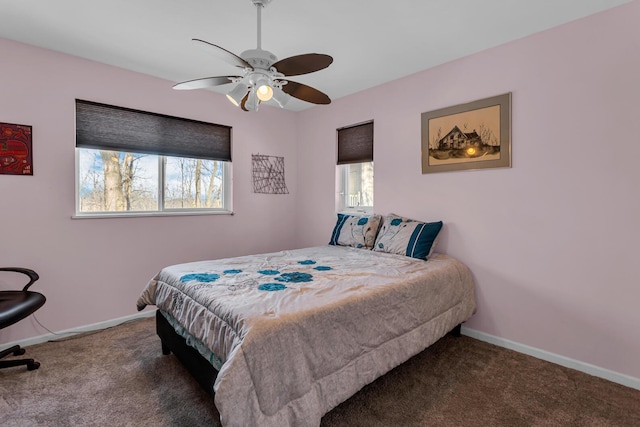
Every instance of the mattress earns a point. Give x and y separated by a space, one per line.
297 332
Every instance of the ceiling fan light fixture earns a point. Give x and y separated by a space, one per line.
237 93
252 101
280 97
264 91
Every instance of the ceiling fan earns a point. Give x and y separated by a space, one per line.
263 77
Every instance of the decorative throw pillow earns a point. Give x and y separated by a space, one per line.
408 237
356 231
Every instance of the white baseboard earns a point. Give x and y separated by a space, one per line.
81 329
587 368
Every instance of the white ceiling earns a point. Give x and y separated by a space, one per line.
371 41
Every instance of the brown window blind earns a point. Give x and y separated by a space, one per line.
355 143
106 127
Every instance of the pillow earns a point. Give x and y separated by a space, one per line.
356 231
408 237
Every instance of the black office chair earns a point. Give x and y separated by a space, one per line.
15 306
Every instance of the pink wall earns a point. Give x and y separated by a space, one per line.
93 270
552 241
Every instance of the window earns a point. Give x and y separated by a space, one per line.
131 162
355 168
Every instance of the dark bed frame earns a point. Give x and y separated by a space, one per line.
198 366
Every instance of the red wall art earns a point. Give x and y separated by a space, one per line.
15 150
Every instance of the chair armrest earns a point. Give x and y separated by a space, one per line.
33 276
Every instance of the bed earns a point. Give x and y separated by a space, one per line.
282 338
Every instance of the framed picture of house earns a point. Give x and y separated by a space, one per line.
476 135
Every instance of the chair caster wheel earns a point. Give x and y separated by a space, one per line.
19 352
33 366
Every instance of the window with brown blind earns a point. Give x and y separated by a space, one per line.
132 162
355 168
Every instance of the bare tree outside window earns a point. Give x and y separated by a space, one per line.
192 183
112 181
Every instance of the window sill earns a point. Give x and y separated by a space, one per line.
148 214
358 211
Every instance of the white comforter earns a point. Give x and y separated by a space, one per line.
300 331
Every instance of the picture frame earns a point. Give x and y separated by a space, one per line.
471 136
16 157
268 174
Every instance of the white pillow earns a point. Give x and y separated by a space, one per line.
356 231
408 237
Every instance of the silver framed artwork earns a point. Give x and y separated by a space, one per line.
475 135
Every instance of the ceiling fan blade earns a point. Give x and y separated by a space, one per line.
204 83
243 102
223 54
303 64
305 93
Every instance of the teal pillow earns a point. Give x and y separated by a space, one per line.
404 236
356 231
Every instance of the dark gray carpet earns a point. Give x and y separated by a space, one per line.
119 377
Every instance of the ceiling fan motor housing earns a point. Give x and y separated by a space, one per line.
259 58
